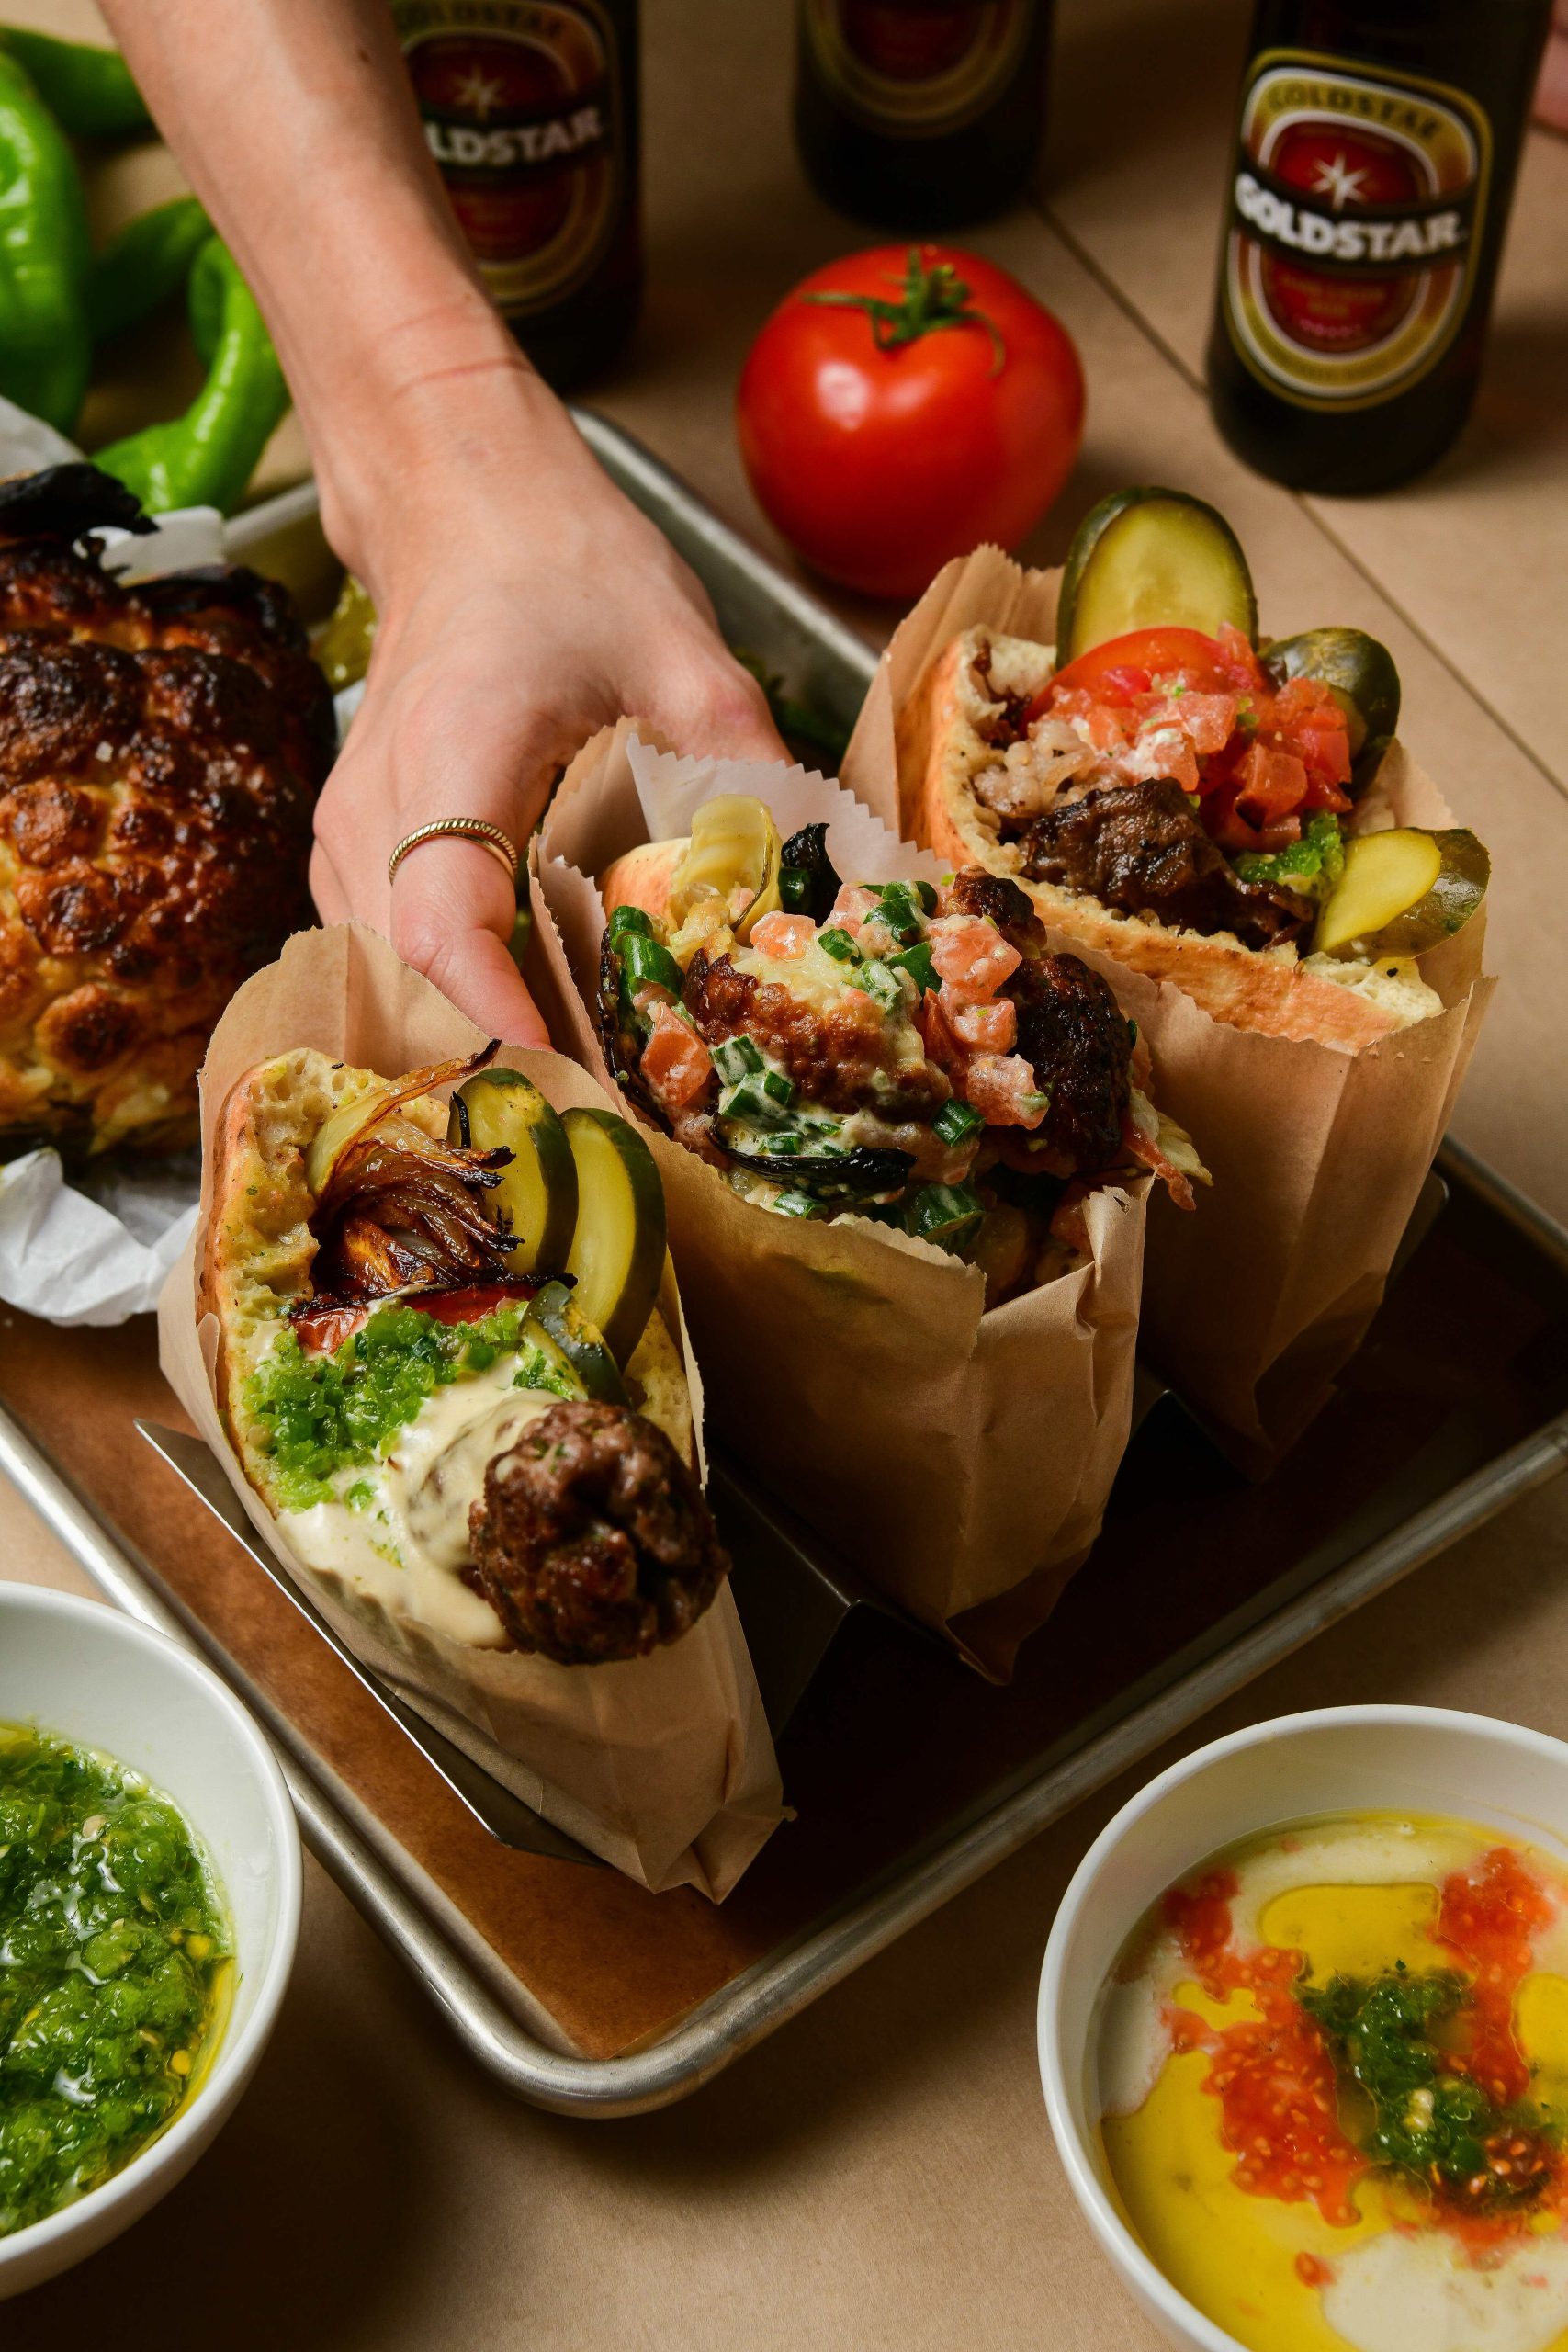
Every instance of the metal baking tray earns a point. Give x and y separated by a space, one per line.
1457 1405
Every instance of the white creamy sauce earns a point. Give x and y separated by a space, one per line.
406 1545
1418 2287
1134 2045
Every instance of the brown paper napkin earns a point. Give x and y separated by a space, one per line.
662 1765
961 1460
1255 1300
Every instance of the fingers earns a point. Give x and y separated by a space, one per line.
453 911
714 708
331 898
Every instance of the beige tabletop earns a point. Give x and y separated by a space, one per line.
881 2173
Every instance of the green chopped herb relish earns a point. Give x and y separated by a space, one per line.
1312 866
1421 2114
318 1414
112 1949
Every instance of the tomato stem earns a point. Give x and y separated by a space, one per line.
931 297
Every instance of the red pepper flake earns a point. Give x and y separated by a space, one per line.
1488 1918
1274 2076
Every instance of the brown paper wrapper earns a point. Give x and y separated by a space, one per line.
662 1765
1253 1302
961 1460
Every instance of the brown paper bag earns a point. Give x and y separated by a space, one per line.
962 1460
1254 1301
662 1765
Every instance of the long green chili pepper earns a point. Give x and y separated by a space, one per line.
45 348
206 457
148 260
88 91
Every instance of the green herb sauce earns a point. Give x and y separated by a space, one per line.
1312 866
1422 2116
112 1951
314 1415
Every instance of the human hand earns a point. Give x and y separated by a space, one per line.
1551 90
523 604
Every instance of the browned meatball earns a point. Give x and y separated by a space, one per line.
1143 848
593 1541
161 750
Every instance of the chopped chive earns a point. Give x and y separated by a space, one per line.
629 919
796 1204
948 1215
649 965
917 961
957 1121
735 1059
839 944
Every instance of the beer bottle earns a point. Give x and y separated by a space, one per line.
530 110
920 114
1371 184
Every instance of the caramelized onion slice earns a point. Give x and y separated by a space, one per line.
350 1121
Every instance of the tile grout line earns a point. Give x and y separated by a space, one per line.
1151 335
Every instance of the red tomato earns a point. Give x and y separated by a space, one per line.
936 407
1129 664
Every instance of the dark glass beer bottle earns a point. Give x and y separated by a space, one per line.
1374 168
531 109
920 114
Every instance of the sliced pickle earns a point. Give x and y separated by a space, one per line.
1402 892
501 1108
1151 559
555 1323
1360 674
616 1258
733 855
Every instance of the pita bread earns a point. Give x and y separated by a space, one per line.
259 1247
1272 990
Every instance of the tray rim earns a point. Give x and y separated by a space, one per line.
773 1990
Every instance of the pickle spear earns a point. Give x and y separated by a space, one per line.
1151 559
616 1258
1402 892
538 1190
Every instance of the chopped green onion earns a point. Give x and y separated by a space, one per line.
795 890
1131 1033
747 1100
926 893
899 913
779 1088
783 1146
628 919
839 944
948 1215
881 983
736 1058
649 965
957 1121
1040 1102
796 1204
917 961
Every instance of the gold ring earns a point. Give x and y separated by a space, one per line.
477 829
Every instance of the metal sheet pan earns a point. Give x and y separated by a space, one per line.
816 655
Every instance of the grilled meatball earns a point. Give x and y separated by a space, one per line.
160 750
1069 1029
1142 848
593 1541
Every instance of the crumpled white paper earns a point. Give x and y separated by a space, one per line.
95 1250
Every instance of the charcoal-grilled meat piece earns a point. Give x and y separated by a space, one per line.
1142 848
593 1541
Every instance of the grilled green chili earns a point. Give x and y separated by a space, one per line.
148 260
45 349
89 91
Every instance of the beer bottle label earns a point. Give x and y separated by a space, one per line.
916 69
1355 227
521 102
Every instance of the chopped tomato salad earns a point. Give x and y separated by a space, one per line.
1259 758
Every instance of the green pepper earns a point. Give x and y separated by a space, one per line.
206 457
149 260
45 349
89 91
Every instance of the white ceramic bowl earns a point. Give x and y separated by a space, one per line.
101 1681
1338 1759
